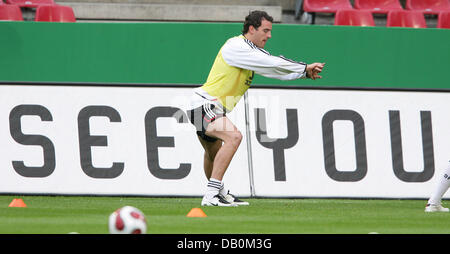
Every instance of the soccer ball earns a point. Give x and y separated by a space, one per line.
127 220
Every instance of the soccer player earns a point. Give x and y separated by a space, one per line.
229 78
434 202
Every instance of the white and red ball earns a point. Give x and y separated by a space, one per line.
127 220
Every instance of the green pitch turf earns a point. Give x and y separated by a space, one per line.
89 215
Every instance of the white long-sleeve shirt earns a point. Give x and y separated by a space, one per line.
234 68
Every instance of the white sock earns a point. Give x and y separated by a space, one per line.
213 187
223 191
442 187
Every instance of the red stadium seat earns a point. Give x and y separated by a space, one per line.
55 13
378 6
327 6
10 12
443 20
428 6
353 18
30 3
413 19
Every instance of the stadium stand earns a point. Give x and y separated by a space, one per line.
311 7
149 11
353 18
414 19
29 3
283 11
428 6
378 6
55 13
444 20
10 13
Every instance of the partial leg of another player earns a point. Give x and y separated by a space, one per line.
434 203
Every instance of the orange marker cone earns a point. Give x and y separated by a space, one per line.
196 212
17 202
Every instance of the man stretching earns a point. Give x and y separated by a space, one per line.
230 77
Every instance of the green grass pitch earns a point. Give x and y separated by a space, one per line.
89 215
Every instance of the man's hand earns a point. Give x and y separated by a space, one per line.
313 70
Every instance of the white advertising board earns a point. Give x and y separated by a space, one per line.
104 141
94 140
330 143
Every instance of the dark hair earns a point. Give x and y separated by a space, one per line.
254 19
